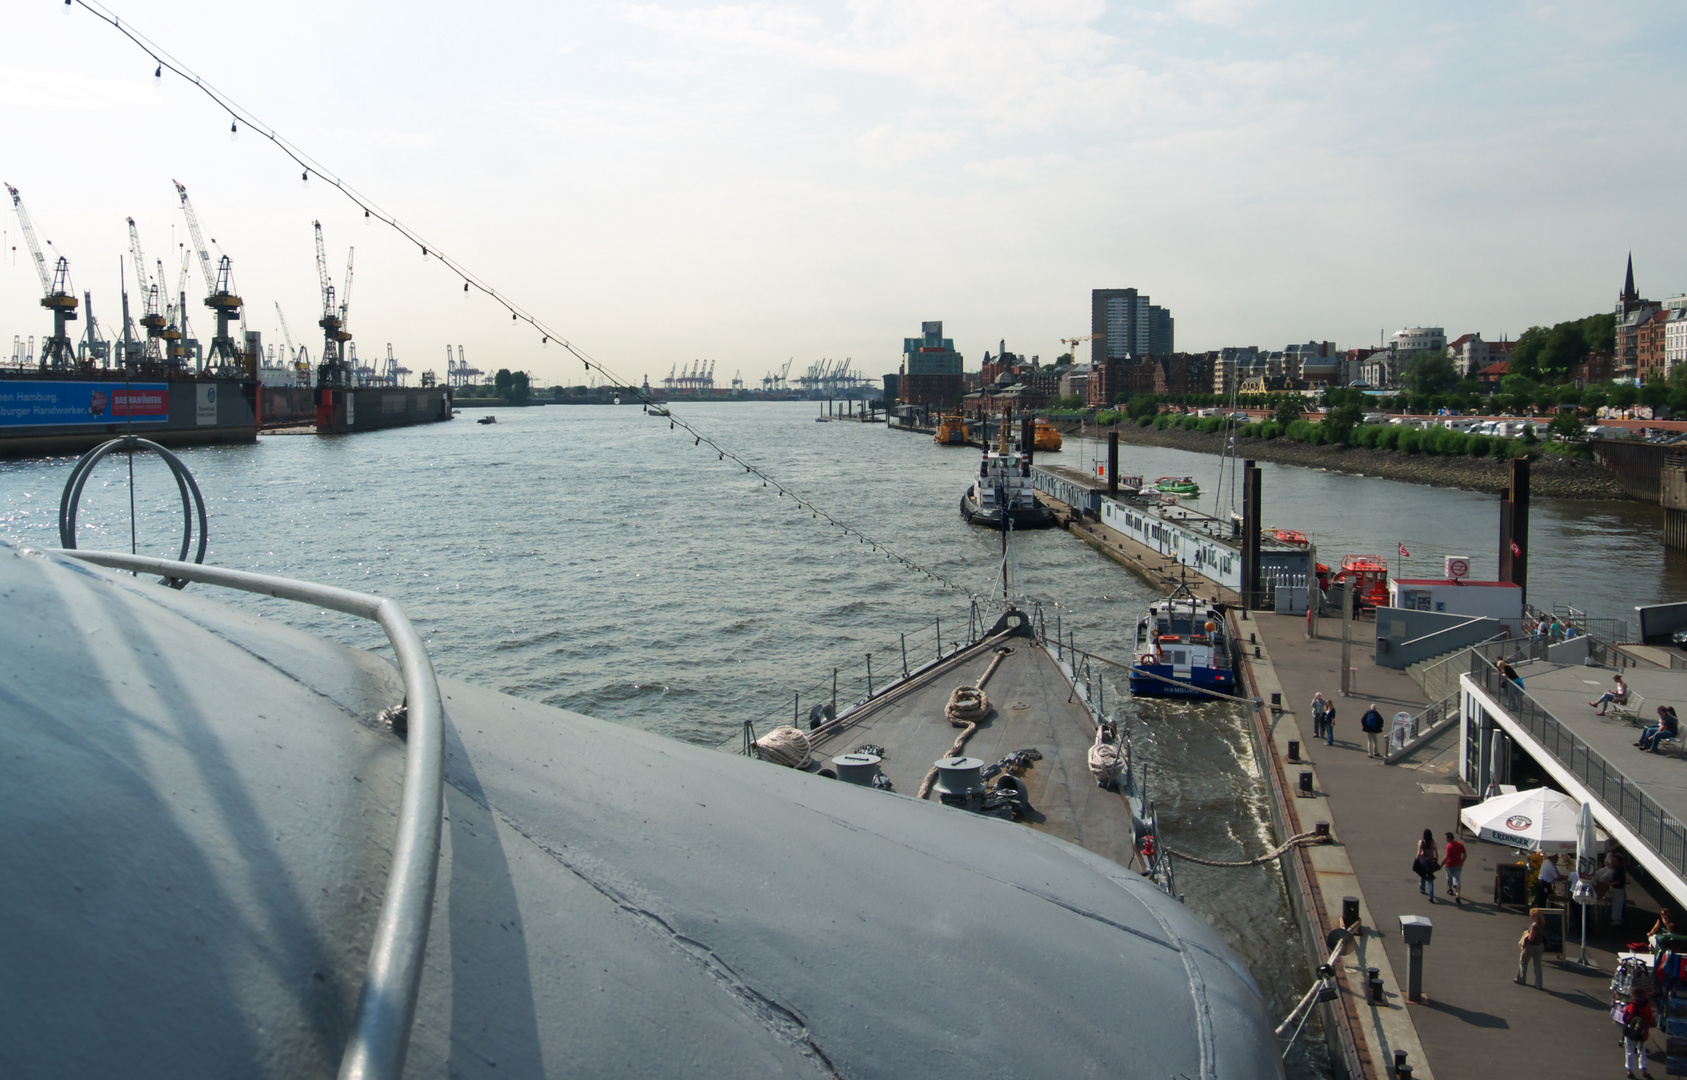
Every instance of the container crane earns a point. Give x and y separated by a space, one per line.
56 297
333 370
222 299
151 319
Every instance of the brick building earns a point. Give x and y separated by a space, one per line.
931 372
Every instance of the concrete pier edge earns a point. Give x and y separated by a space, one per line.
1362 1037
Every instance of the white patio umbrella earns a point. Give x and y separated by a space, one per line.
1539 819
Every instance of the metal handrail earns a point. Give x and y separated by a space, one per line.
1627 800
386 1005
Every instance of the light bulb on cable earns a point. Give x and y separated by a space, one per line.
233 131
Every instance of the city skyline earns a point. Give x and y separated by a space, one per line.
749 183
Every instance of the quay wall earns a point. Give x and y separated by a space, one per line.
1552 476
1350 1055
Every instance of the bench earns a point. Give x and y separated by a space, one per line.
1630 709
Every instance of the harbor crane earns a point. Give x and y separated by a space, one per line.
151 319
57 295
333 371
226 357
174 318
286 334
93 346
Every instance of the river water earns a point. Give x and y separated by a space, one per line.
595 559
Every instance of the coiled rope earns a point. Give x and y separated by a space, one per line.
1298 840
787 746
967 708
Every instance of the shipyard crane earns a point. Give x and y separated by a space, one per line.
151 319
175 317
345 288
56 293
94 346
286 334
333 370
222 298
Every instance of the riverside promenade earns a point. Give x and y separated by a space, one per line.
1475 1021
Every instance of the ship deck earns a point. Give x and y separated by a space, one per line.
1032 705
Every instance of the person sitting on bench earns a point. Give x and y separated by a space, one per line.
1667 727
1619 696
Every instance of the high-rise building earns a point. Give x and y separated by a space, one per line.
1127 327
931 369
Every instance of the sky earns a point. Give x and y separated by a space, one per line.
750 183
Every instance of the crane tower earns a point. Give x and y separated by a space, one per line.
333 370
226 357
57 295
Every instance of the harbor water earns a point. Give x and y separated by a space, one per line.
597 559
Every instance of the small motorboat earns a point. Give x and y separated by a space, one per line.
1291 536
487 419
658 410
1178 485
1044 436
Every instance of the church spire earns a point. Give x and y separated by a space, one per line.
1629 294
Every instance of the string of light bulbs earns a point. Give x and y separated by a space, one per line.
240 116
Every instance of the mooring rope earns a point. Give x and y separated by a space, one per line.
966 709
1298 840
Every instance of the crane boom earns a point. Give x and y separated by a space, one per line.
141 276
345 288
322 271
286 334
34 245
198 239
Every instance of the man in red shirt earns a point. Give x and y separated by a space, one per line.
1453 863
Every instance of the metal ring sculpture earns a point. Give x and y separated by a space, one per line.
192 501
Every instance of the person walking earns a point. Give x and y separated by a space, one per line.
1321 715
1371 725
1453 860
1619 695
1425 863
1638 1019
1531 946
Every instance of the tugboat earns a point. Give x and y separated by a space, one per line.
951 431
1183 649
1044 436
487 419
1003 487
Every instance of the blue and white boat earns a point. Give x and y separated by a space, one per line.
1182 649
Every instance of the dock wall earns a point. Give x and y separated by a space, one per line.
341 411
195 412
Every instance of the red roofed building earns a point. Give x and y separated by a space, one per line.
1489 377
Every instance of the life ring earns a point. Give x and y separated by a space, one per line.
1147 659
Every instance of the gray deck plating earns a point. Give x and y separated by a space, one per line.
1032 705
